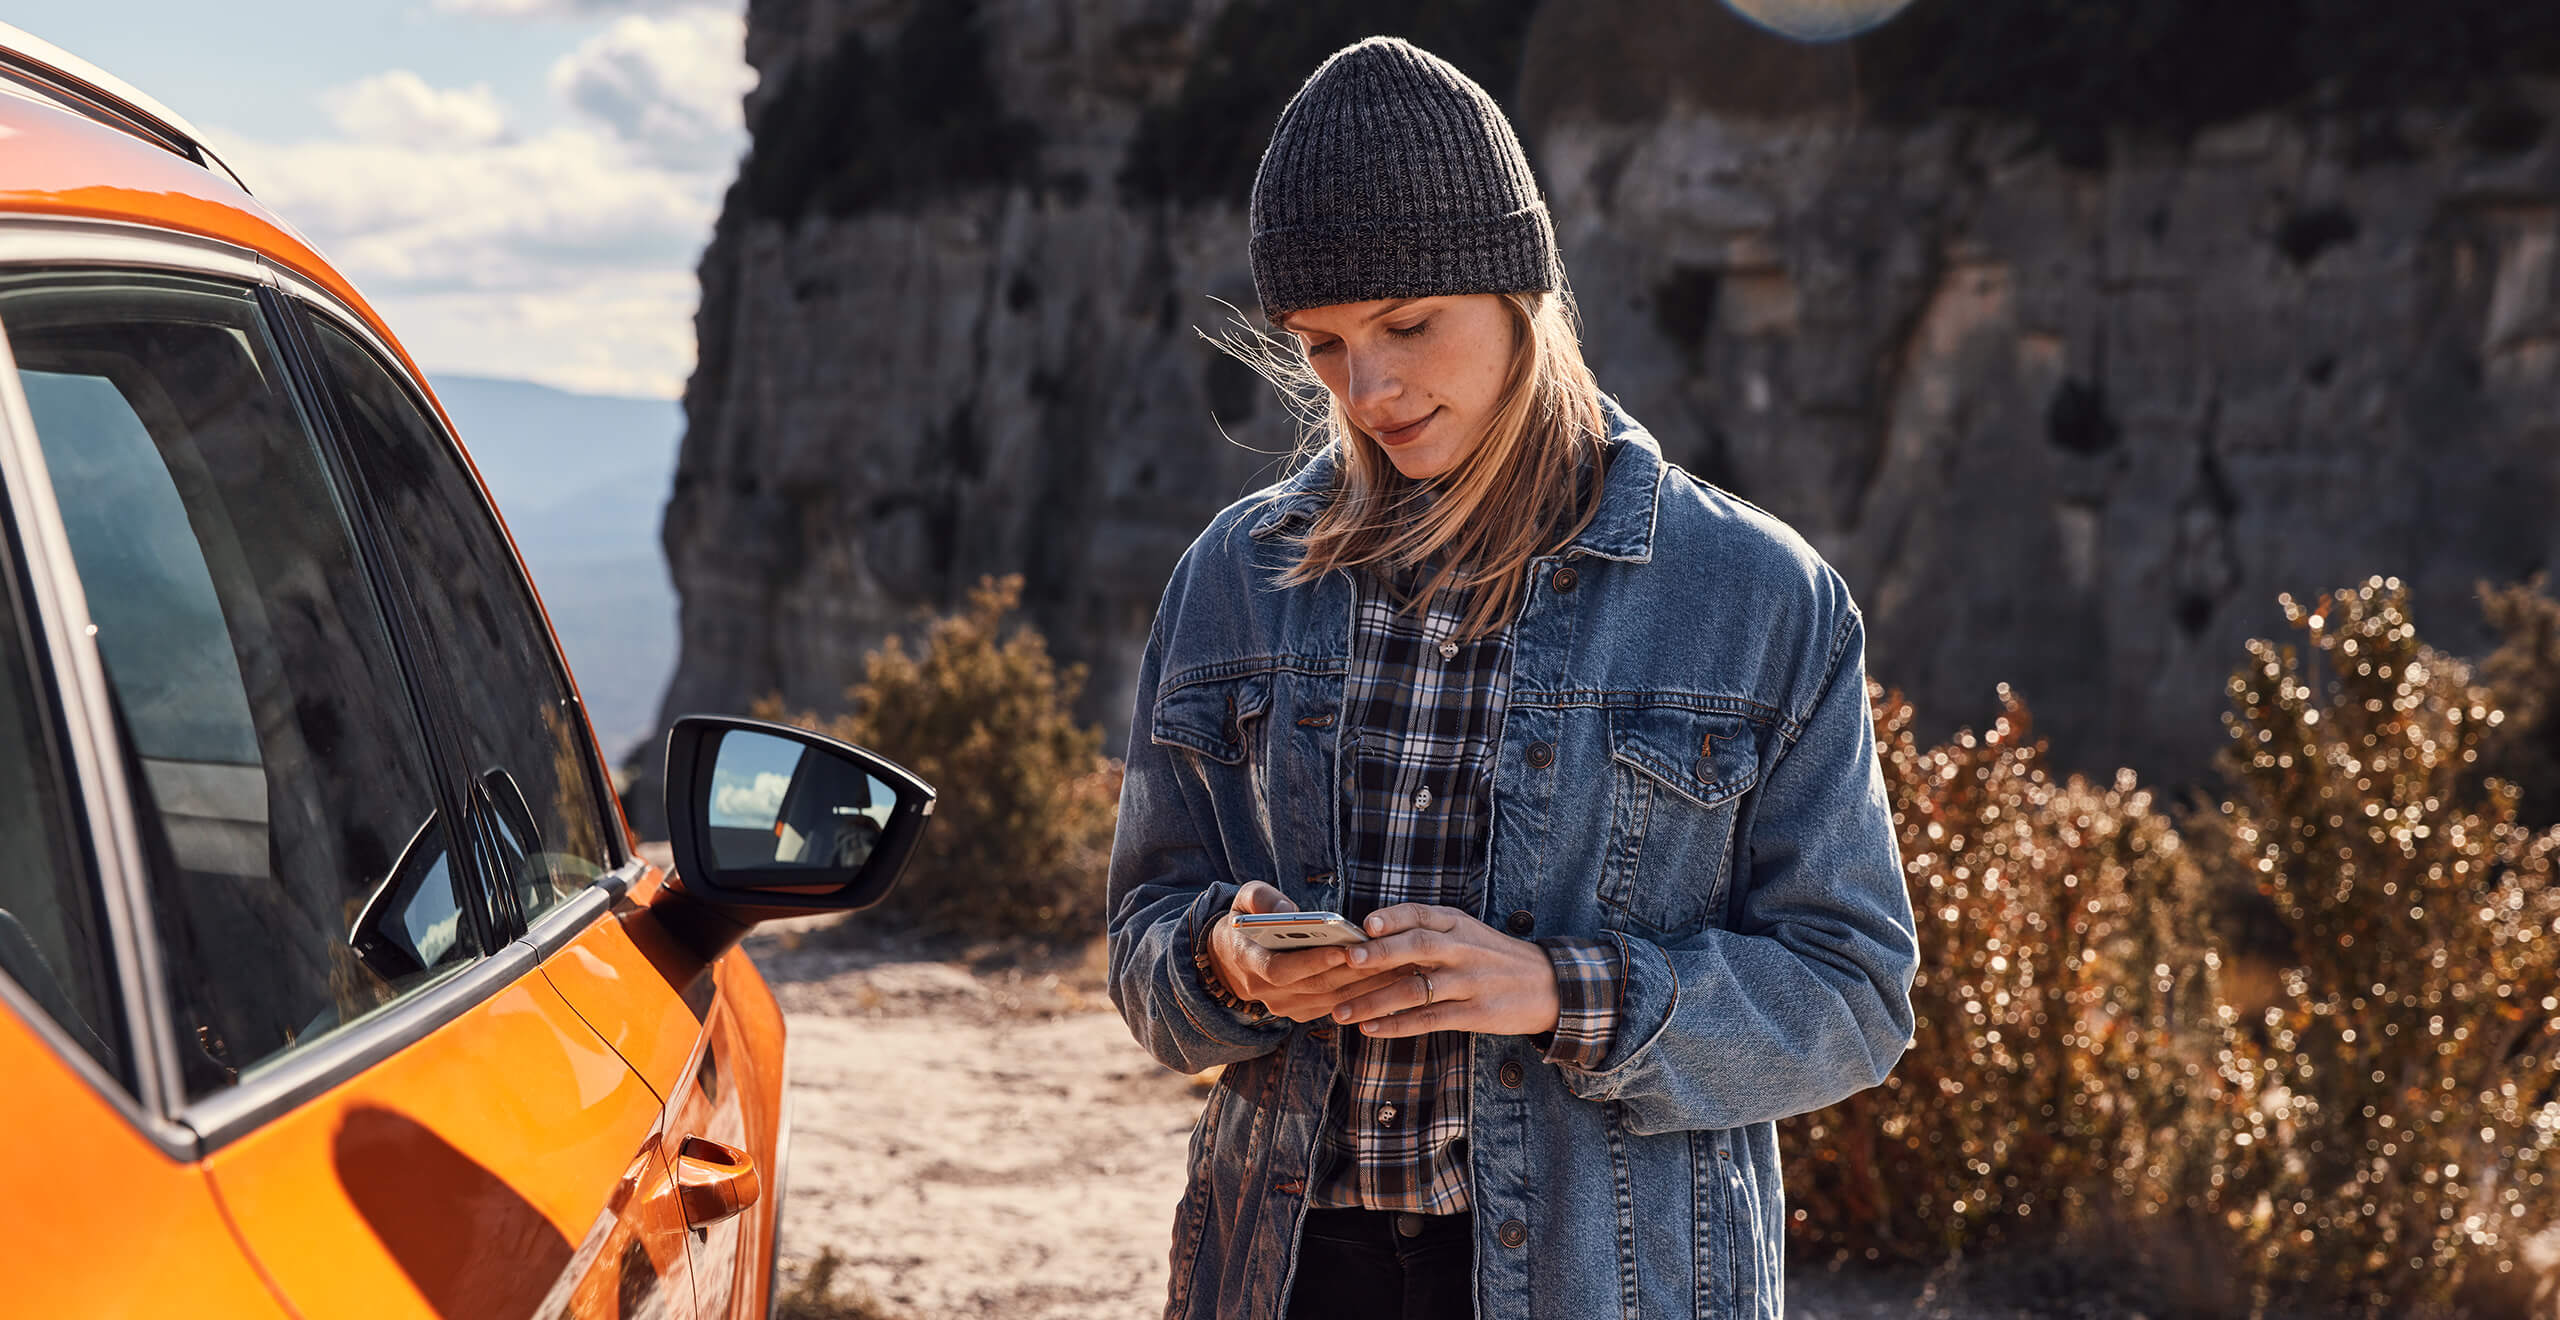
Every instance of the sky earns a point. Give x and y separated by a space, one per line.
521 187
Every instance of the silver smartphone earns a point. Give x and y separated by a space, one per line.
1287 931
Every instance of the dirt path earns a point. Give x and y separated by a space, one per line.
976 1144
989 1142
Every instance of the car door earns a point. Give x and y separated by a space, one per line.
397 1111
134 1230
528 752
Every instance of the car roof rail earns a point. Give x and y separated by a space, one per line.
32 64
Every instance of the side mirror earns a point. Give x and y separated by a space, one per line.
780 820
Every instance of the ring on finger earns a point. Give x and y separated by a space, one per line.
1426 986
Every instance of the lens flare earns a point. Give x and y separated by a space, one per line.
1817 20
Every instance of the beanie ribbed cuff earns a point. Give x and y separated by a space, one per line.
1357 260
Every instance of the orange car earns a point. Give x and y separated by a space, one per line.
330 984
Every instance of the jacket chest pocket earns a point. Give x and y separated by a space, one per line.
1219 718
1225 721
1678 777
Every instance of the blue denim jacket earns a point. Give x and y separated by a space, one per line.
1687 765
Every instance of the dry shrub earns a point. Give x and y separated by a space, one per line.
2393 1108
814 1297
2049 1074
2523 676
1021 837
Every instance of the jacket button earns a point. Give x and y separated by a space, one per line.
1541 755
1512 1072
1514 1233
1565 578
1520 922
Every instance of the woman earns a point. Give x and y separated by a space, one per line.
1583 743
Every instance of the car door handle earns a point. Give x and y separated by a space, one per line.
714 1181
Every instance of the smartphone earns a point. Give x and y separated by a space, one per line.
1286 931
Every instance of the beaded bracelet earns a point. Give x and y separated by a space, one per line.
1209 979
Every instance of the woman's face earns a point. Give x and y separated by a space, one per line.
1420 375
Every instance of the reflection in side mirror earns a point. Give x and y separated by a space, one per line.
775 802
763 816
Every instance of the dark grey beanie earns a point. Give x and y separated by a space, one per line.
1393 175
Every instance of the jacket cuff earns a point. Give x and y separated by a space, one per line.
1206 1002
1647 993
1589 973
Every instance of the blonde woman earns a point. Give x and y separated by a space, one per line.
1581 744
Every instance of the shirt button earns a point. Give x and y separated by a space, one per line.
1565 578
1541 755
1514 1233
1422 798
1520 922
1387 1115
1512 1072
1448 650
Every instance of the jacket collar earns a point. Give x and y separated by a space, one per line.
1622 529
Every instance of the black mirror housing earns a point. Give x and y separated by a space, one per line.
766 820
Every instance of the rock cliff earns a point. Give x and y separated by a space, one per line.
2068 378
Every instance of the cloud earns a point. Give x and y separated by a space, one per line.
399 107
558 8
671 87
736 804
563 254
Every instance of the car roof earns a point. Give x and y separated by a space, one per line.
33 64
83 145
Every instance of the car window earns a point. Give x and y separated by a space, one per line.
52 930
299 880
535 795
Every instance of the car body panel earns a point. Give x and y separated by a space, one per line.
640 989
73 1234
463 1175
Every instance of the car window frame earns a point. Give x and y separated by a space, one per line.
72 681
563 922
68 682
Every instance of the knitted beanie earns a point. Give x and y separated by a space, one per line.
1393 175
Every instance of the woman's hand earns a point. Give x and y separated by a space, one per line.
1480 979
1302 986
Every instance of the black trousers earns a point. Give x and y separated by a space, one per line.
1384 1265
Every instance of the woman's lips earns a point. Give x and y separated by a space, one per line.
1406 433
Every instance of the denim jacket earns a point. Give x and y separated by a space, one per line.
1687 765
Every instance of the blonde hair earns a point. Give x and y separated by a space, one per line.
1511 499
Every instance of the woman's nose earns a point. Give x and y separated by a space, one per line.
1373 382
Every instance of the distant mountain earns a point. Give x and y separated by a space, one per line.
581 480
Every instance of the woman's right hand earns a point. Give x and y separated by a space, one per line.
1303 986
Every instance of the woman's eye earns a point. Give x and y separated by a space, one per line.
1314 350
1409 331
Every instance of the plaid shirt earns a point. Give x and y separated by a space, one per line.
1424 713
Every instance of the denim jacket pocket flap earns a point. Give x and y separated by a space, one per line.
1210 716
1707 757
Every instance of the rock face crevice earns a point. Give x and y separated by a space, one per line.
2068 401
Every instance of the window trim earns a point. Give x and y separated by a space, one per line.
75 676
390 586
75 679
312 301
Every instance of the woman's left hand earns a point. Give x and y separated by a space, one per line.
1479 978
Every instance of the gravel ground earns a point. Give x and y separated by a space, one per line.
978 1136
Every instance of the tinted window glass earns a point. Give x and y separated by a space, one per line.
532 786
52 935
297 855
